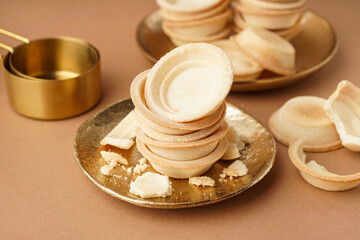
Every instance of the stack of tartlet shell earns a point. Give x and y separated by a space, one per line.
185 22
178 149
281 17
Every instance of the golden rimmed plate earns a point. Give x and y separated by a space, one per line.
258 156
316 44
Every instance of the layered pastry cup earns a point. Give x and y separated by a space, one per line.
178 39
318 175
199 28
244 67
304 118
193 73
271 51
288 33
151 129
176 16
163 125
182 169
269 18
343 108
184 151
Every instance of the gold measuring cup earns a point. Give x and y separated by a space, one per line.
51 78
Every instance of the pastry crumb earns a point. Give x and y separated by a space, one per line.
151 185
202 181
138 169
236 169
113 157
142 161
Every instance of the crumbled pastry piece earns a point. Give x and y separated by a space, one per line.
222 175
142 161
107 169
110 157
138 169
232 152
202 181
236 169
118 142
123 134
151 185
129 170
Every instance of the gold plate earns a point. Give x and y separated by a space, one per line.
316 44
259 157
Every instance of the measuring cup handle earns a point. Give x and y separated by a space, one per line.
12 35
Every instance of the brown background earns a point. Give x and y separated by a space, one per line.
45 195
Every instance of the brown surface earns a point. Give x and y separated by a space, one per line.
44 194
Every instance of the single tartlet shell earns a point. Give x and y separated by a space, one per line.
244 67
271 51
188 6
343 108
270 19
137 96
288 33
260 4
200 28
151 130
195 72
179 39
182 169
316 178
304 118
172 16
184 150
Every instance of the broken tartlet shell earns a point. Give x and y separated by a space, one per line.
288 33
195 72
151 130
178 39
188 6
137 96
304 118
271 51
317 179
244 67
186 150
270 19
172 16
343 108
199 28
182 169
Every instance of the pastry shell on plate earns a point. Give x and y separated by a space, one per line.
288 33
178 39
182 169
193 73
199 28
188 6
183 151
270 19
317 175
137 96
261 4
271 51
304 118
343 108
244 67
169 15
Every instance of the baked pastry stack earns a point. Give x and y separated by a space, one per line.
180 109
280 16
186 21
